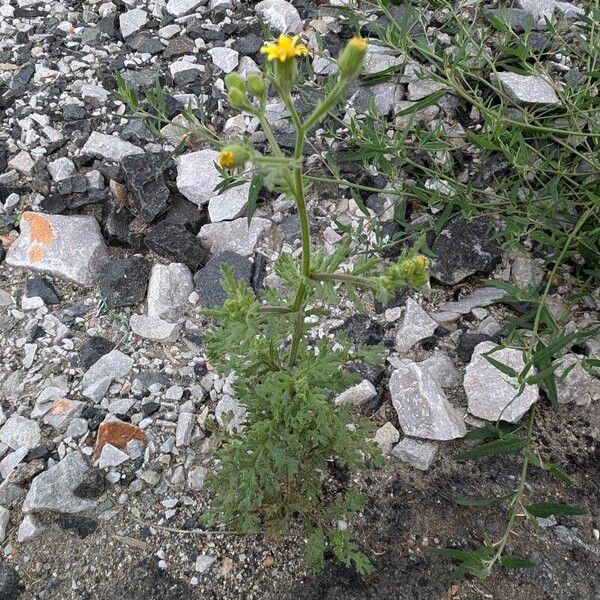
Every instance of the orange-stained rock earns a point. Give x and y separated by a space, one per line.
117 433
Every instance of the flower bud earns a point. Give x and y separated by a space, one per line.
234 81
421 261
232 156
256 84
351 59
237 98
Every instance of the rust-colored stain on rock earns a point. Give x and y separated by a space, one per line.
60 407
117 433
40 234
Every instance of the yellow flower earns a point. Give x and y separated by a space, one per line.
284 49
226 159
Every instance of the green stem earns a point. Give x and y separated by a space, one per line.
328 103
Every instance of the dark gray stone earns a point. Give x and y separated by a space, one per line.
144 178
208 279
363 330
519 20
10 587
94 349
464 248
41 287
467 343
123 282
179 244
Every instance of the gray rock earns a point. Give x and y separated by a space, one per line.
168 290
179 8
109 147
224 58
110 366
111 457
520 20
491 393
177 243
416 325
196 477
4 520
185 428
417 453
442 369
123 282
132 21
208 279
423 410
463 248
62 412
61 169
378 60
30 528
421 88
20 432
386 436
235 235
526 273
573 382
538 8
68 246
230 414
197 178
528 89
203 562
357 394
23 163
479 298
153 328
280 15
12 460
53 489
95 95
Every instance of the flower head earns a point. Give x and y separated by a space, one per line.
352 57
286 48
233 156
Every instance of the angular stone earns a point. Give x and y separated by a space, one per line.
11 461
197 178
224 58
62 412
422 88
573 382
178 244
196 478
42 288
230 414
20 432
111 366
10 586
111 456
463 248
185 427
357 394
117 433
61 169
386 436
67 246
144 178
490 392
132 21
417 453
280 15
123 282
528 89
153 328
204 562
179 8
416 326
423 410
109 147
442 369
467 343
168 290
235 236
30 528
93 350
53 489
4 520
208 279
526 273
479 298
